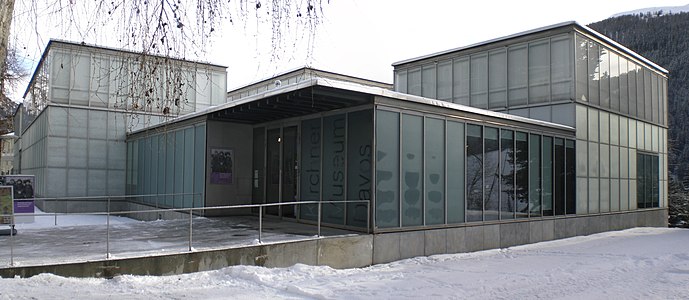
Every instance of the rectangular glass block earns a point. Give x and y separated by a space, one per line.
491 199
387 169
474 173
582 196
359 163
462 81
428 81
455 171
517 76
582 122
539 72
479 81
604 160
547 169
497 81
401 81
535 175
604 125
414 81
581 67
434 196
624 194
614 195
522 174
593 161
507 187
445 80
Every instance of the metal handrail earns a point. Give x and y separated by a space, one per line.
190 211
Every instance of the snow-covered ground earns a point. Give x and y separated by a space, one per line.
640 263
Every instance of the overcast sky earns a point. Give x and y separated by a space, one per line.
364 37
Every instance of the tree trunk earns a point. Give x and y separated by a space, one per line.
6 9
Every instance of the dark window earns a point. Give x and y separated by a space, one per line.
474 175
559 179
535 175
547 176
522 174
507 201
647 174
492 174
570 179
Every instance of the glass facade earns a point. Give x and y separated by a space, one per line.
612 81
470 172
533 73
172 162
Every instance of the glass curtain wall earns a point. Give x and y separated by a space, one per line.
469 172
333 159
536 72
172 162
611 80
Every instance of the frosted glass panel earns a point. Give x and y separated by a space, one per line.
434 133
517 75
359 175
539 72
412 170
387 169
479 81
497 72
455 167
97 154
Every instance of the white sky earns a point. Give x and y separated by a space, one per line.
364 37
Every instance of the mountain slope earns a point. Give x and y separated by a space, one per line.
664 40
655 11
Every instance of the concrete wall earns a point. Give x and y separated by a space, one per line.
388 247
357 251
335 252
238 138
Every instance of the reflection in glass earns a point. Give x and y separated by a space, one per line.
570 186
507 195
535 175
492 174
547 176
522 174
474 173
559 179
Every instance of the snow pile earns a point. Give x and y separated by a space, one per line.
640 263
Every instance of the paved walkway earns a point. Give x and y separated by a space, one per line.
66 244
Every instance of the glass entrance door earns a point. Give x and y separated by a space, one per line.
281 170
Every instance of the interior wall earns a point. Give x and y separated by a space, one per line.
239 139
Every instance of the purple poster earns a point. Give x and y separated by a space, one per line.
221 166
23 194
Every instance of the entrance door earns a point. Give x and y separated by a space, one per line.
281 170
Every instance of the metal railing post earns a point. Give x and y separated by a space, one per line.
107 232
260 222
320 208
190 226
55 204
368 217
12 243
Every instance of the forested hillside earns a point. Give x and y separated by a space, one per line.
664 39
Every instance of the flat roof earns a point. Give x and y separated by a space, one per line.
345 87
572 24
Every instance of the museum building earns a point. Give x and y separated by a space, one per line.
545 134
